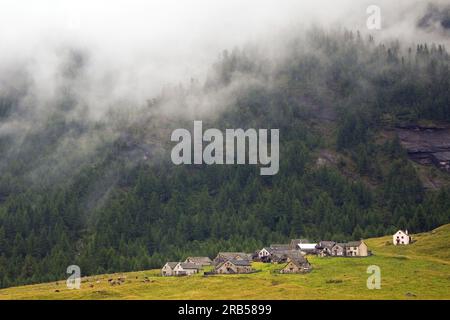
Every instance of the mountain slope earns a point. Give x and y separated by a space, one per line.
430 245
104 194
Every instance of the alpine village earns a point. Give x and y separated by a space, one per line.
292 257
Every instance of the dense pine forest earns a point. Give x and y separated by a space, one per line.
104 195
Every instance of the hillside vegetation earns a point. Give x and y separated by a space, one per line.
104 194
418 271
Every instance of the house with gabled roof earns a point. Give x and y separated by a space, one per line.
269 255
234 267
338 250
167 269
298 264
401 238
185 269
324 248
294 254
350 249
278 257
356 249
264 253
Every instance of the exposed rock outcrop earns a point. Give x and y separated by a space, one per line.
427 145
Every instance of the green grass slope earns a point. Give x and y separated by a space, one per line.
418 271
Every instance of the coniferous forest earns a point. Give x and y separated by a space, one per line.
104 195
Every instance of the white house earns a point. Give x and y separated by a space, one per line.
264 252
185 269
401 237
167 270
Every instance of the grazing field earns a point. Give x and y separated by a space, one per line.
418 271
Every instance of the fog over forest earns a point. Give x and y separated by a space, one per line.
90 92
88 63
103 55
132 49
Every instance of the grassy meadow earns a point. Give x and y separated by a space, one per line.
418 271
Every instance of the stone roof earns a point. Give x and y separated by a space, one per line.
279 247
233 255
240 262
353 244
299 262
199 260
349 244
172 264
295 255
326 244
283 252
187 265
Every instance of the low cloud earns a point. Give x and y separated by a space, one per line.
80 64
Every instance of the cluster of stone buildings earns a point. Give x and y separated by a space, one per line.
190 266
224 263
289 255
240 262
344 249
292 256
232 263
278 253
